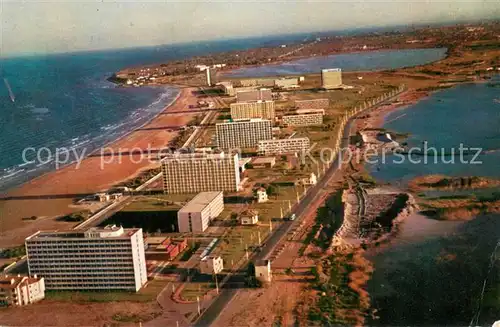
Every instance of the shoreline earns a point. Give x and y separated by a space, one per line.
52 193
99 148
224 74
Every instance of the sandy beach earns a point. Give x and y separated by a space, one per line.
51 194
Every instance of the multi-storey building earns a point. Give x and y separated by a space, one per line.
303 120
196 215
228 88
283 146
312 104
257 82
331 78
243 133
309 111
259 109
21 290
200 172
211 76
108 258
254 95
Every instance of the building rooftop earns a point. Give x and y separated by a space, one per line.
11 281
328 70
197 155
285 139
200 201
247 102
322 99
110 231
264 160
260 263
243 120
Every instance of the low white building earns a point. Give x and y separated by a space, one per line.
311 180
249 217
196 215
261 195
310 119
283 146
211 265
21 290
263 271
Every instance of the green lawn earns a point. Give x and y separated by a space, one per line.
146 294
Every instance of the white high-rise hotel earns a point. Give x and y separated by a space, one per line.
109 258
200 172
243 133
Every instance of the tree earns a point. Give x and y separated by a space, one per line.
250 279
271 190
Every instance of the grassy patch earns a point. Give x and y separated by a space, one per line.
146 294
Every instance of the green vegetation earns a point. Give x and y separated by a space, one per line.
339 280
495 196
328 217
250 279
224 117
433 72
484 46
146 294
76 216
191 249
453 182
13 252
135 318
30 218
385 218
142 178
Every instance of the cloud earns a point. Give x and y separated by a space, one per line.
61 26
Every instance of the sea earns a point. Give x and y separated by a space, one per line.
51 104
437 273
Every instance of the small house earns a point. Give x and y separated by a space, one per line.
263 270
261 195
249 217
211 265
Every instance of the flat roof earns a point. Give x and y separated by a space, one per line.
200 201
285 140
309 100
108 232
263 160
328 70
196 155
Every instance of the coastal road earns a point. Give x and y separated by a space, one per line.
228 291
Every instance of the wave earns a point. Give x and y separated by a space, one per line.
36 110
89 142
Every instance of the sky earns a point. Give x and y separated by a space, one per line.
51 26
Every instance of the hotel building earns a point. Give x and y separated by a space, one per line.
254 95
244 133
196 215
109 258
200 172
259 109
257 82
303 120
331 78
21 290
312 104
283 146
228 88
